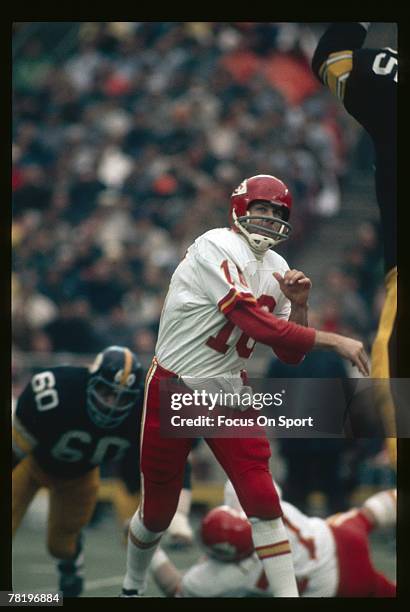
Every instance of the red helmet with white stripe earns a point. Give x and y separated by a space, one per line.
273 230
227 534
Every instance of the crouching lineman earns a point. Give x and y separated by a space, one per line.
69 420
331 556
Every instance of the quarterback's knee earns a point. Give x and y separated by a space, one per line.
160 503
265 509
158 514
260 499
158 521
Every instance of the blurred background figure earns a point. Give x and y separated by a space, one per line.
365 80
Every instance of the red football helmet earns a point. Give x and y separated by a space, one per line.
268 189
227 534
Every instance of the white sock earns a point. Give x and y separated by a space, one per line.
383 507
160 557
142 544
273 549
184 502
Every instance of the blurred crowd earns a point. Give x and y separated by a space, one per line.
352 296
129 146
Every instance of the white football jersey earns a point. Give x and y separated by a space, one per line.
195 338
314 559
313 552
212 578
313 548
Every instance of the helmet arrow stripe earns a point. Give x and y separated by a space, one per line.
127 366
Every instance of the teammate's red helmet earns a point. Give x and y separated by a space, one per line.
269 189
227 534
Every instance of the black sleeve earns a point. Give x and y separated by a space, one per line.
26 410
25 425
337 37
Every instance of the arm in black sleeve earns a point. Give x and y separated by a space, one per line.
337 37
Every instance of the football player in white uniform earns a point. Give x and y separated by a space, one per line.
230 291
331 557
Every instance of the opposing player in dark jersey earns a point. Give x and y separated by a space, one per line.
365 80
68 421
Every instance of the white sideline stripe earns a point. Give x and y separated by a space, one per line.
151 372
89 584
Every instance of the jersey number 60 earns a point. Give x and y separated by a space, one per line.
46 397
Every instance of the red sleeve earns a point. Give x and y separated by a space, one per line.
290 341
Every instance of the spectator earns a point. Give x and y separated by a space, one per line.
162 115
72 331
100 287
34 193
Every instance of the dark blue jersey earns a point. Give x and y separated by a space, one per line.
52 421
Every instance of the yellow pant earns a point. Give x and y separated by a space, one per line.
72 503
384 362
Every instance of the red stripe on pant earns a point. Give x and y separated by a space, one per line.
245 461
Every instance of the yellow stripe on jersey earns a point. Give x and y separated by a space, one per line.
335 71
225 305
232 297
127 366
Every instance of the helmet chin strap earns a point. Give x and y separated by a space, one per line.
258 243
